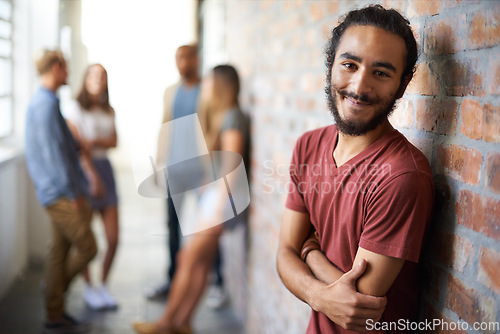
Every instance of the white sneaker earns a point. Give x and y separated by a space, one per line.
93 298
217 297
108 299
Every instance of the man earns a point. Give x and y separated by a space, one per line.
360 185
180 100
54 166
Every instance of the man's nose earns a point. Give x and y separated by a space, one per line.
361 82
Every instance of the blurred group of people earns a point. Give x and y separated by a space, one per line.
351 255
66 155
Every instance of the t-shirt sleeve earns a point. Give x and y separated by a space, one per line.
295 198
234 120
397 215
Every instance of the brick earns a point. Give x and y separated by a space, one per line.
492 222
480 121
316 11
266 4
462 253
489 269
444 36
332 7
492 120
421 8
484 28
416 28
452 250
306 104
394 4
489 314
472 117
460 163
465 77
492 172
494 79
462 300
294 22
481 214
437 116
451 3
402 116
470 210
425 80
430 313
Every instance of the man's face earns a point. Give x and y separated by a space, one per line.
186 60
366 78
61 73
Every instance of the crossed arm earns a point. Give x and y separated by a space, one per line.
347 299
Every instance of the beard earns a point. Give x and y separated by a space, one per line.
358 128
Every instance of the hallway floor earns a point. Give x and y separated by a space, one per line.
139 263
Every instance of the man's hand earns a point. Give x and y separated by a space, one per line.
79 203
342 304
339 301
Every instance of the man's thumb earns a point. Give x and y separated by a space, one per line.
356 271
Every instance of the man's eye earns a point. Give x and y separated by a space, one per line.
350 66
381 74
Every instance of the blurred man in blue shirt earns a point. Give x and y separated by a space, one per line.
52 157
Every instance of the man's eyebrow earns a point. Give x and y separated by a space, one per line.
388 66
347 55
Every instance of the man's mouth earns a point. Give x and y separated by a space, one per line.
355 99
356 102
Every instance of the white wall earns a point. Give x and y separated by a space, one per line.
24 225
13 245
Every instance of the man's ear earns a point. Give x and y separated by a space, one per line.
404 83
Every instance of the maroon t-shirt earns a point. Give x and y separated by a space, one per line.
380 200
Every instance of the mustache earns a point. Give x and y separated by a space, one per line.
360 97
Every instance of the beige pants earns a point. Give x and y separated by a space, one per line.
73 246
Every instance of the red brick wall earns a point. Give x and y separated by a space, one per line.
451 111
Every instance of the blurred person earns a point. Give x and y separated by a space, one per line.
225 129
52 158
352 231
179 100
91 119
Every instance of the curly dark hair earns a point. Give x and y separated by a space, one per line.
377 16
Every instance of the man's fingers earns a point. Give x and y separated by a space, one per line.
356 271
371 302
361 314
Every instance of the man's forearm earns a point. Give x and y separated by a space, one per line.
297 277
322 268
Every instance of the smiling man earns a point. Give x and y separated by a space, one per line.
352 233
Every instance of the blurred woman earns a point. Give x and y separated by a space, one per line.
225 129
92 122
